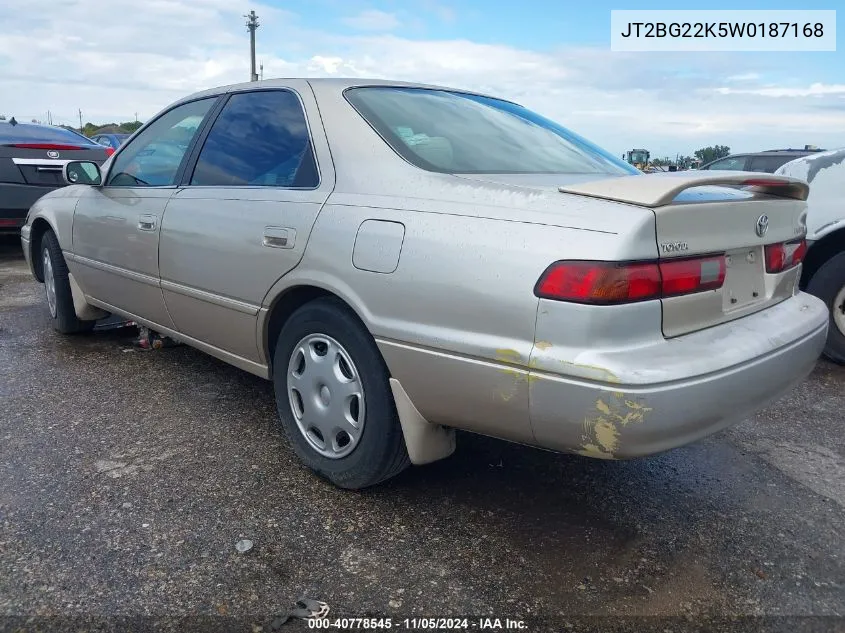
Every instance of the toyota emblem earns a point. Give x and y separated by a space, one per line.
762 225
52 154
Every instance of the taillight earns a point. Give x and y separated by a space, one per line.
45 146
608 283
599 282
785 255
109 151
685 276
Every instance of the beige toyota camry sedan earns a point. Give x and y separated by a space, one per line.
405 260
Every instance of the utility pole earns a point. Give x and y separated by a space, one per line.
80 119
251 25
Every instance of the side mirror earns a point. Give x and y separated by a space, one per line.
81 172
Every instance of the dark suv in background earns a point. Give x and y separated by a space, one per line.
768 161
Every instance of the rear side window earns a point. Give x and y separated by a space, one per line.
454 132
768 164
260 139
24 133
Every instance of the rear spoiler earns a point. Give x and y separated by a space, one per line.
656 190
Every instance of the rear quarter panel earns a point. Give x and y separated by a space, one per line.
455 321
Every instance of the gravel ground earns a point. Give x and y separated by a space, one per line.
128 477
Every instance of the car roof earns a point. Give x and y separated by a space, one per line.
34 128
771 152
798 153
339 83
25 125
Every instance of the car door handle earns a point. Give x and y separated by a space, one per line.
278 237
147 222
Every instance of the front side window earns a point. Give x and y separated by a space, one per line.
260 139
154 156
732 163
452 132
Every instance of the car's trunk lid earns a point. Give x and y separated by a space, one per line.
42 166
702 213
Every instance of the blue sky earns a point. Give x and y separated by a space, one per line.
541 24
551 56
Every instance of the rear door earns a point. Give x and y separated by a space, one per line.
244 214
116 226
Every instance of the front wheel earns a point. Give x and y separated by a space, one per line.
828 284
334 399
57 288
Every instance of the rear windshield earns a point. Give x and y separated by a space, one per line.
454 132
23 133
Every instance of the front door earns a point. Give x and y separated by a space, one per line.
244 215
116 226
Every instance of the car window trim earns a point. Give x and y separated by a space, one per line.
185 181
212 113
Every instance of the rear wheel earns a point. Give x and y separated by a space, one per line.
334 399
828 284
57 288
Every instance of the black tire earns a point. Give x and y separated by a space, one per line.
380 452
64 319
826 284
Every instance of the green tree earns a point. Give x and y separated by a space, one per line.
707 154
131 126
89 129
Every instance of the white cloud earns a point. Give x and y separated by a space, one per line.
813 90
373 20
57 61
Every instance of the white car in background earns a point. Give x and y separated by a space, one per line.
824 266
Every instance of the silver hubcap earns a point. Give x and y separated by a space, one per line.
326 395
839 310
49 283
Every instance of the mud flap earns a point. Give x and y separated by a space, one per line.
424 441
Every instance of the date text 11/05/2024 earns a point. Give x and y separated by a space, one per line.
416 624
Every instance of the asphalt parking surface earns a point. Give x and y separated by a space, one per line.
128 476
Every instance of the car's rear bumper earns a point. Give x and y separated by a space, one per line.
617 401
15 201
11 220
649 400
